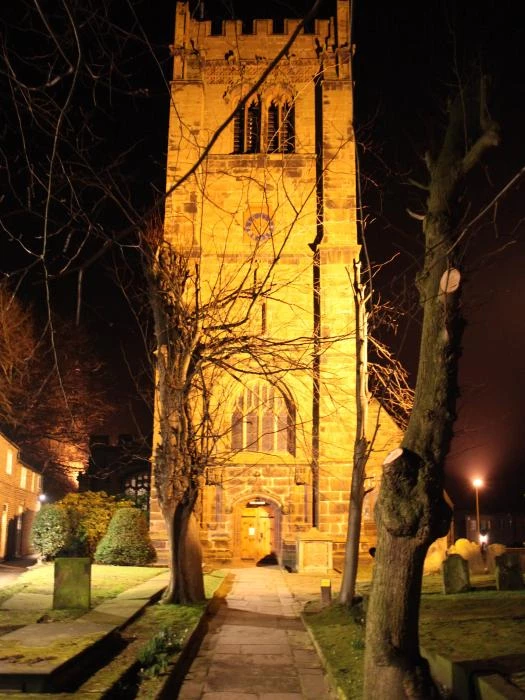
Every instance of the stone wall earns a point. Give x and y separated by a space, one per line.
304 256
20 487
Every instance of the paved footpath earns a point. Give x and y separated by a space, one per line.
257 647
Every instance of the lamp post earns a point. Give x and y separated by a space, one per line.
477 483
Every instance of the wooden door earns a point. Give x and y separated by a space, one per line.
248 534
257 532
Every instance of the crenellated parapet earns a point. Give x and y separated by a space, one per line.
201 54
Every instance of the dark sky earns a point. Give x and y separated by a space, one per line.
408 56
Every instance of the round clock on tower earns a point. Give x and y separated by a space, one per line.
259 226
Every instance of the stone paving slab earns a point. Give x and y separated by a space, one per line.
257 647
147 589
116 611
28 601
39 635
236 662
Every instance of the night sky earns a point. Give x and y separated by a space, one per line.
407 60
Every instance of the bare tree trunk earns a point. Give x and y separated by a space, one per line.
186 581
357 490
406 674
347 592
411 511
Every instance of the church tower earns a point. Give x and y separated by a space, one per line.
262 197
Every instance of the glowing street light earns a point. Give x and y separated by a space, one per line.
477 483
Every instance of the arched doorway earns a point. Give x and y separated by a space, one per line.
258 529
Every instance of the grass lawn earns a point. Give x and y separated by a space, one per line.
163 630
106 582
155 637
477 625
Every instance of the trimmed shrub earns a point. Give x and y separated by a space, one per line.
51 532
127 541
89 514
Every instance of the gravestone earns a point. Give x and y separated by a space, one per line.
508 572
72 589
455 574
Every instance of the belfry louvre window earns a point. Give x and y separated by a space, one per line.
257 128
247 128
263 421
281 137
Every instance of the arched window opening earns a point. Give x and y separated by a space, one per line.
237 429
253 127
273 128
238 131
263 421
247 128
278 125
288 128
281 127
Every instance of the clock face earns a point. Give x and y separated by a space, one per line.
259 226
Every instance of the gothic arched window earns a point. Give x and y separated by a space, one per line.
271 129
281 127
263 420
247 128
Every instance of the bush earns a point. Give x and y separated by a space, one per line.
89 514
51 531
127 541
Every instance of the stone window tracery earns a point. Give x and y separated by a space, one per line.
247 128
281 136
263 420
265 125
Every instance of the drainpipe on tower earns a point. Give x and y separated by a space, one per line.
316 300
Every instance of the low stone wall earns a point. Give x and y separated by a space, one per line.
480 679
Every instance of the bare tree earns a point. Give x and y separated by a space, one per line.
51 391
203 337
411 511
383 380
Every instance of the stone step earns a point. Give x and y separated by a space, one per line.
59 657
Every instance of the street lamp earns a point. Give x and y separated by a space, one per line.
477 483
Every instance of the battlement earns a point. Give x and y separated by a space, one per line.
259 28
213 40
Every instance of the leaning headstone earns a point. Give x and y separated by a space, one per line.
72 589
455 574
508 572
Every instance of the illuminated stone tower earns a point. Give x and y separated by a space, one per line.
272 201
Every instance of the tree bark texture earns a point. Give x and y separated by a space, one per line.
411 511
361 444
177 462
347 592
186 583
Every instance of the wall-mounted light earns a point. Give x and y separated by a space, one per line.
256 502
